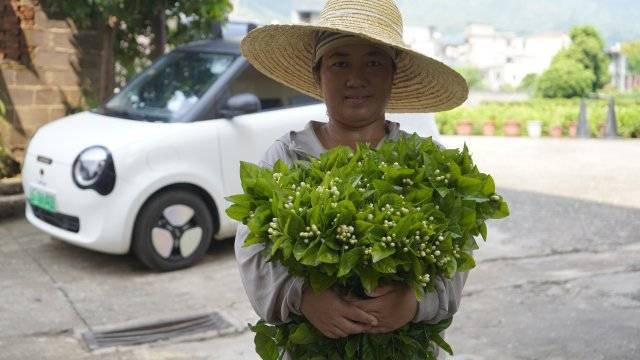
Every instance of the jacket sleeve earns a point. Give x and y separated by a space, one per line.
272 291
444 301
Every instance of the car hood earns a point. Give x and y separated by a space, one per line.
62 140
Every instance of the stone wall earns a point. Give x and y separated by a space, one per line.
47 69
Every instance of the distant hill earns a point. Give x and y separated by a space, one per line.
617 20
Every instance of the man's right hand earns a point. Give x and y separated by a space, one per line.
334 317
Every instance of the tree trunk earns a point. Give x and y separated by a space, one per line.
107 68
159 32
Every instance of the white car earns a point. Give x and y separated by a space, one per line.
149 170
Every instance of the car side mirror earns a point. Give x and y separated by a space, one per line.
240 104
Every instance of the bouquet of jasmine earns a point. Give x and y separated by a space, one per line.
405 213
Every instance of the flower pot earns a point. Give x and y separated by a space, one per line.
555 131
489 128
573 128
534 128
464 127
511 128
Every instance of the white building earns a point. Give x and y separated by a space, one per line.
504 57
424 40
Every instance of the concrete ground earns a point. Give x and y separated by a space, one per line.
558 279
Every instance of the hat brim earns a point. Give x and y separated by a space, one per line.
421 84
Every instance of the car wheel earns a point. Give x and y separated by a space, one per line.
173 230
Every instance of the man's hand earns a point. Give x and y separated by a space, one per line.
393 305
333 316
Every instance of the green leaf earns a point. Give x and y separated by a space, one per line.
470 244
294 224
468 217
326 255
502 212
439 327
303 335
465 262
378 252
416 265
252 239
347 211
263 328
368 352
443 191
436 338
418 196
383 186
368 277
468 185
262 188
488 186
306 253
348 260
483 231
238 212
452 266
320 281
266 347
352 346
240 199
455 169
404 225
386 266
280 166
362 227
248 174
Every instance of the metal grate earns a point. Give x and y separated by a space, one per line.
154 332
67 222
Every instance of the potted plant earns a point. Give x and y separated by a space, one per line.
489 128
573 128
534 128
511 128
464 127
555 130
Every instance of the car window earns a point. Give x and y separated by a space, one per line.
170 87
272 94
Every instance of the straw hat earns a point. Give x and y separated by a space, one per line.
421 84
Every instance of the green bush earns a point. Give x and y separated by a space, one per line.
8 166
550 111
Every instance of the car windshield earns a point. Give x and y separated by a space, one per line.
169 88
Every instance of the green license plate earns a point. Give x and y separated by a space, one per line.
42 199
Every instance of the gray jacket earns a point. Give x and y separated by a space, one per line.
274 293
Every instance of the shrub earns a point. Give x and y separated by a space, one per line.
549 111
8 166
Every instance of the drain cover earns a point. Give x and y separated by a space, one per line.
157 331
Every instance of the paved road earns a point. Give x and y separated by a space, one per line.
558 279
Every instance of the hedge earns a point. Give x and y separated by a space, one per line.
550 111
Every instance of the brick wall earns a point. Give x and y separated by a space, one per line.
47 68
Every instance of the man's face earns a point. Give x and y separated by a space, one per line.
356 82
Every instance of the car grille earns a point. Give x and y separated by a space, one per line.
66 222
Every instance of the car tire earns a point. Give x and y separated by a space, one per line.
173 230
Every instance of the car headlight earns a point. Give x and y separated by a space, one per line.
94 169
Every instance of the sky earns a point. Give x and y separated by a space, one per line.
617 20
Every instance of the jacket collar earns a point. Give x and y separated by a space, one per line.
305 143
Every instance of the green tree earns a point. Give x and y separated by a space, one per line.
581 68
565 78
472 74
122 22
587 47
631 50
528 83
